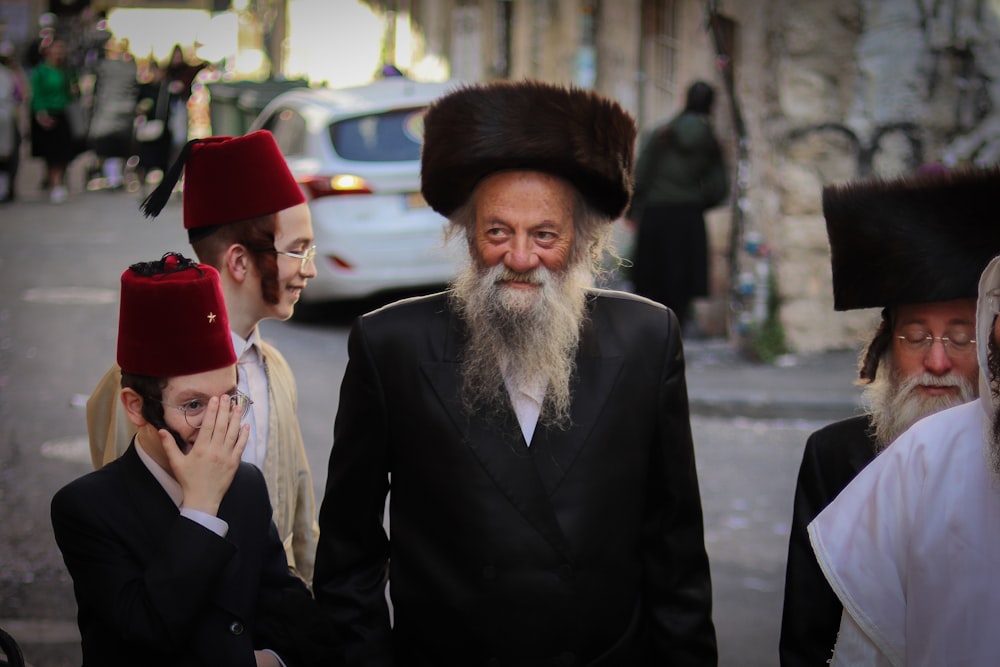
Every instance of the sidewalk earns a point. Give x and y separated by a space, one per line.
723 383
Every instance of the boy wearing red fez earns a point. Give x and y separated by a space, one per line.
173 554
246 217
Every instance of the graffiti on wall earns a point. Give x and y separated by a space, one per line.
959 117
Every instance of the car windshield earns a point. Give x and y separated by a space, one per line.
392 136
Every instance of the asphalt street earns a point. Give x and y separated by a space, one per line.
59 272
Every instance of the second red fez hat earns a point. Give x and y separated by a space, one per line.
227 179
172 319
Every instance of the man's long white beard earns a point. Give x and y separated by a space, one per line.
527 337
895 404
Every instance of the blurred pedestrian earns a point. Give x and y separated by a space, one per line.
13 92
52 137
915 247
544 506
152 132
680 174
112 120
179 76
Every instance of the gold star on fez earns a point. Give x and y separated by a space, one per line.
211 317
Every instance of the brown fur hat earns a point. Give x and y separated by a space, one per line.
916 239
481 129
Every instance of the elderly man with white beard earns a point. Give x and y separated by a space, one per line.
911 546
916 247
545 506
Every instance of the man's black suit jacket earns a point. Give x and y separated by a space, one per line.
585 548
810 618
155 588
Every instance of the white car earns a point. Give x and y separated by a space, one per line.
356 154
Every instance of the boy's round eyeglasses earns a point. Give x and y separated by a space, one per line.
303 257
194 410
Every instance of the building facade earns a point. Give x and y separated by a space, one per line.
809 94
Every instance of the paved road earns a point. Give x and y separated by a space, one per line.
59 271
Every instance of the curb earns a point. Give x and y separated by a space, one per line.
756 407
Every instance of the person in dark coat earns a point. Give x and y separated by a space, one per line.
152 104
915 247
179 76
174 557
545 505
680 174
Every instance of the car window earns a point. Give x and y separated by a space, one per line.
289 130
392 136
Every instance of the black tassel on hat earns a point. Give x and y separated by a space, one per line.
916 239
158 198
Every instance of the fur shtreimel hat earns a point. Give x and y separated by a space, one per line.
573 133
172 319
916 239
228 179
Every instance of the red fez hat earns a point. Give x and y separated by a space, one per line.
172 319
228 179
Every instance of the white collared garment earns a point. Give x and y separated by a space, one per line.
854 648
173 489
252 381
527 405
911 546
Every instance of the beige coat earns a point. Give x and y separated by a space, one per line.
286 468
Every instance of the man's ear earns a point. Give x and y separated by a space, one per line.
236 262
132 402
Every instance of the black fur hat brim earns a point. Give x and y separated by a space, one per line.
573 133
917 239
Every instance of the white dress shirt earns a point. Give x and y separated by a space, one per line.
527 405
173 489
252 381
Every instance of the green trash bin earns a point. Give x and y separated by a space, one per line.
252 99
235 104
226 118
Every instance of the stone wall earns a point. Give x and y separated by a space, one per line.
871 87
831 90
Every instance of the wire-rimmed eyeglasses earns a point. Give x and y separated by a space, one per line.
194 410
303 257
954 342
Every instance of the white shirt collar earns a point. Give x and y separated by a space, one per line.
169 484
241 346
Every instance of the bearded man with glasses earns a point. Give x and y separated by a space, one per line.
247 217
915 247
911 545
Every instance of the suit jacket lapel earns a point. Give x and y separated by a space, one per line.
154 504
500 448
529 477
556 450
147 496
